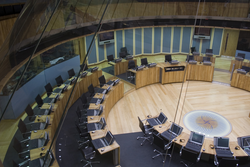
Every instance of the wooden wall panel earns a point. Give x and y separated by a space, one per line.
5 27
229 42
137 9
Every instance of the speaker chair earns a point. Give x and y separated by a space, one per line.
147 131
190 157
102 80
89 155
163 145
144 61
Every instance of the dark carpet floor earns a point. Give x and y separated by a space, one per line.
132 154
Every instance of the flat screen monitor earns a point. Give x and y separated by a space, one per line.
197 138
106 38
71 73
222 142
202 31
109 138
162 118
175 128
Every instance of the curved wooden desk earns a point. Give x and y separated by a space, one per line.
241 81
238 64
58 108
200 72
114 95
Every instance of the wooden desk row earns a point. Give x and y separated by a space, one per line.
121 67
182 140
58 108
167 73
113 96
200 58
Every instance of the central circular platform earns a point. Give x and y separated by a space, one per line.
207 122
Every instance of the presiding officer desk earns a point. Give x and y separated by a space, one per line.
114 95
167 73
209 152
57 111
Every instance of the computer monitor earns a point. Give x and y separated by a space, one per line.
109 138
175 129
162 118
247 69
71 73
246 142
222 142
196 138
168 58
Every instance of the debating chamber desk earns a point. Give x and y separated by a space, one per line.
58 108
121 67
207 148
167 73
238 64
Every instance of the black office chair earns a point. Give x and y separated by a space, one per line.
147 131
144 61
48 89
71 73
102 80
168 58
209 50
123 52
110 57
163 145
59 80
190 57
190 157
39 100
227 162
89 155
81 117
131 64
193 49
206 59
84 100
83 131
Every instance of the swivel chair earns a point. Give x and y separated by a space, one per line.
59 80
147 131
206 59
22 153
83 132
91 90
131 65
123 52
84 100
89 155
81 117
144 61
191 157
163 145
168 58
102 80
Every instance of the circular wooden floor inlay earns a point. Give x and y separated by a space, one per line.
207 122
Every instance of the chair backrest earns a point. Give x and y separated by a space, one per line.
193 49
158 141
29 111
141 125
189 155
21 126
110 57
124 49
59 80
102 80
71 73
91 89
39 100
48 89
122 54
131 64
206 59
17 145
228 162
144 61
168 58
209 50
84 99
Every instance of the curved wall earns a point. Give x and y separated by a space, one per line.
154 40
